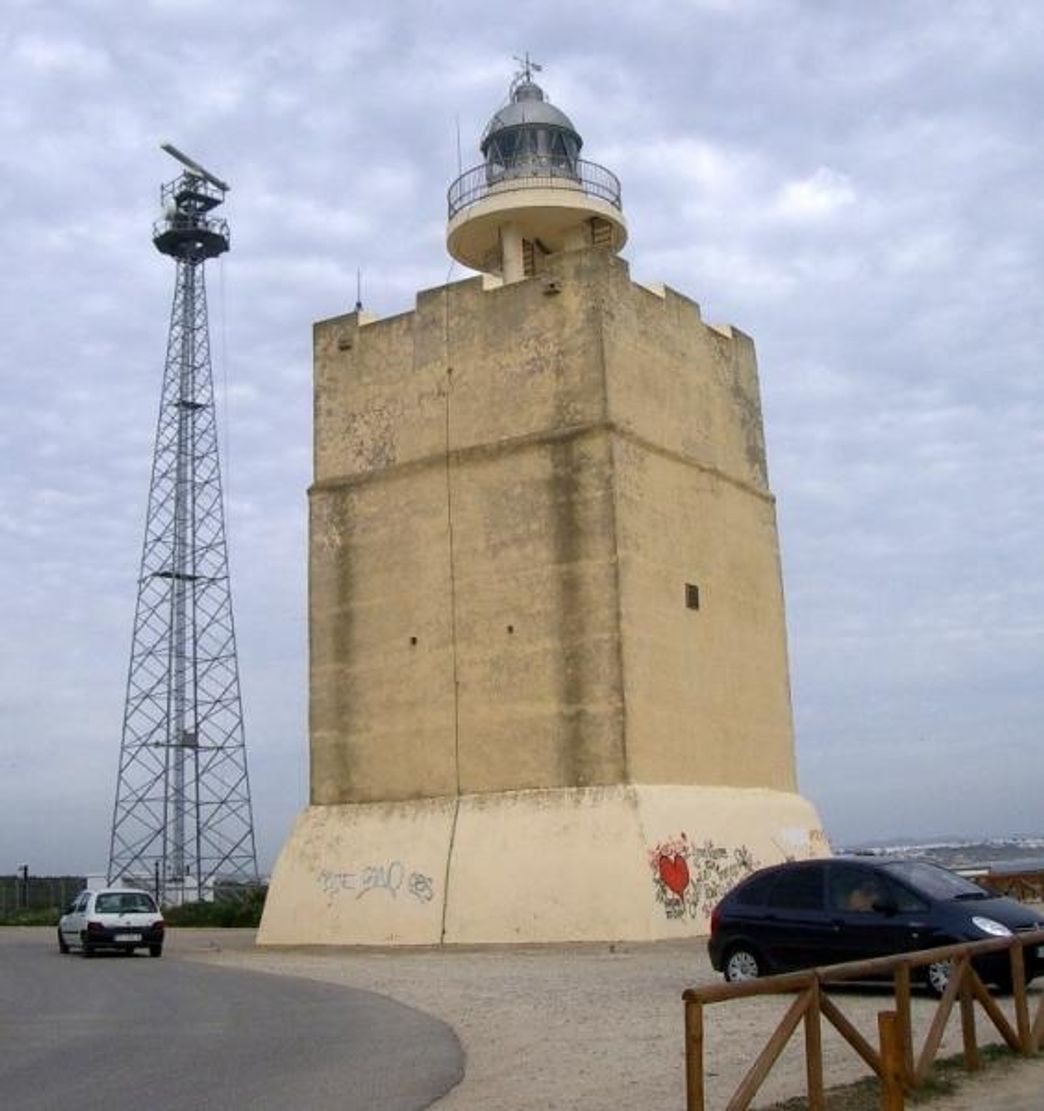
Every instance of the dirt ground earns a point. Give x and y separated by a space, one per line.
600 1026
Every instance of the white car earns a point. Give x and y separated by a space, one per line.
116 918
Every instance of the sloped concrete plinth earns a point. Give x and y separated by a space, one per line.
578 864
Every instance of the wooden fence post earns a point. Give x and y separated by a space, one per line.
902 1008
970 1045
892 1058
1018 991
814 1051
693 1055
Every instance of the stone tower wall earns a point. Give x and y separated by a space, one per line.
513 487
706 690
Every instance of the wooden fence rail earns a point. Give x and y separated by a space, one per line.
896 1060
1027 886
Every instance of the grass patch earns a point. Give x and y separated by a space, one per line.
944 1079
33 916
228 912
235 910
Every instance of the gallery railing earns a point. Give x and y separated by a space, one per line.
533 172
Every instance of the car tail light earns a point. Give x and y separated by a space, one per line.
95 928
715 918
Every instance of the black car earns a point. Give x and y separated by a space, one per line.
819 912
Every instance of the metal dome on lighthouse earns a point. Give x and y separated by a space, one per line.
533 196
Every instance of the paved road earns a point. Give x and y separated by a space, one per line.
173 1035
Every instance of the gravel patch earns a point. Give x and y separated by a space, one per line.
596 1026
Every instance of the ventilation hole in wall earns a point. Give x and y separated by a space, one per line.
511 628
692 596
413 640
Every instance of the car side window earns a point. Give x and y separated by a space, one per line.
859 890
798 889
856 890
81 902
753 892
905 900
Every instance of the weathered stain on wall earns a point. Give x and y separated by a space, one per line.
513 488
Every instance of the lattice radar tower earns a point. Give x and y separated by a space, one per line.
182 821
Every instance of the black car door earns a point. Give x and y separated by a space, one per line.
871 915
794 919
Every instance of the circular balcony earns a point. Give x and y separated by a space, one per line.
190 236
555 204
532 172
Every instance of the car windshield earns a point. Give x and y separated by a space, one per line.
124 902
933 881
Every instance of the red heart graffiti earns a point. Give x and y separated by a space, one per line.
674 872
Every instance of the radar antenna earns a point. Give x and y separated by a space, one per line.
196 168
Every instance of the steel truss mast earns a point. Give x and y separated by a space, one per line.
182 820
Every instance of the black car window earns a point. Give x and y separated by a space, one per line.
753 892
905 900
933 881
858 890
798 889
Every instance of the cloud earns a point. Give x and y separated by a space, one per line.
856 186
55 57
817 197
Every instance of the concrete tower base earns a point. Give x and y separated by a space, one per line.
568 864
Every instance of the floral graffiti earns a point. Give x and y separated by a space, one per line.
688 879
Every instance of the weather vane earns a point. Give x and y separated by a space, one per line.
528 66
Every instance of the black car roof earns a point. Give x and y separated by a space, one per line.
840 858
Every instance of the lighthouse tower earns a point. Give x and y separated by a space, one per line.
549 691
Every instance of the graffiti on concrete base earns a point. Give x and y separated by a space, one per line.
689 879
390 878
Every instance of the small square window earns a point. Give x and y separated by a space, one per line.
692 596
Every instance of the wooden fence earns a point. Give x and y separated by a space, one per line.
898 1062
1027 886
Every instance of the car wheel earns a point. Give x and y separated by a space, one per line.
937 976
62 947
742 963
155 950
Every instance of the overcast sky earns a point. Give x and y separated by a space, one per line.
857 185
